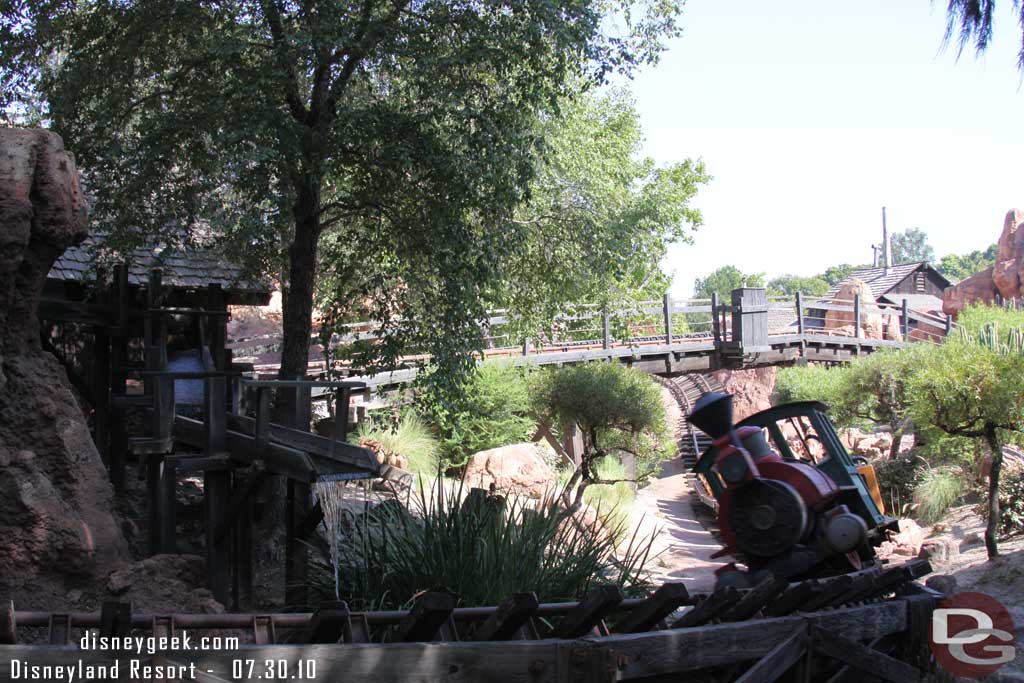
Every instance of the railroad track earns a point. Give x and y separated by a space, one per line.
687 389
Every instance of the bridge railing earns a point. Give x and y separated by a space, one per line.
897 322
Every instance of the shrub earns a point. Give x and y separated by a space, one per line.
897 478
1011 502
494 411
409 435
618 409
937 491
813 383
476 549
612 501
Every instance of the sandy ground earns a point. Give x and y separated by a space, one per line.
683 546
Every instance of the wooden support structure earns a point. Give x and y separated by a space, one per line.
654 609
905 320
857 331
508 618
666 313
426 618
590 612
799 313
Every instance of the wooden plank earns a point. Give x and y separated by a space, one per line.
666 314
167 505
847 674
426 617
329 624
594 606
154 467
263 630
684 649
215 415
115 619
778 660
297 507
240 498
861 657
658 606
343 453
755 599
216 493
507 619
710 608
279 459
59 629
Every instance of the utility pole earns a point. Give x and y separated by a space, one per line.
886 245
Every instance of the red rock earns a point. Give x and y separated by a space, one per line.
518 468
870 313
56 503
751 389
1006 277
979 287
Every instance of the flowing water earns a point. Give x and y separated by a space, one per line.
331 494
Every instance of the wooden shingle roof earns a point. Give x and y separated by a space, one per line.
182 268
878 280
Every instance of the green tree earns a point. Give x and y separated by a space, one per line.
911 246
617 409
836 274
407 129
723 281
789 285
972 20
957 267
968 389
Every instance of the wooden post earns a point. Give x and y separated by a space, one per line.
262 433
572 441
606 335
242 584
297 507
716 328
342 398
526 346
949 325
799 312
101 376
856 316
905 321
118 360
750 319
167 503
217 325
666 311
216 488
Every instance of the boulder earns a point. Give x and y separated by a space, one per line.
906 542
1005 278
518 468
892 329
164 584
751 389
870 313
57 515
943 583
941 549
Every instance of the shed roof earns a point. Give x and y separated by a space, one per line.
879 281
183 267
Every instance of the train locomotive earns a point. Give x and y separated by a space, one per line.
790 499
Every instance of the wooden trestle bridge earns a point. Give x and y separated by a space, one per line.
866 626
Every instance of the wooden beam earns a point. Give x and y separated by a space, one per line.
710 608
216 494
329 624
508 618
425 618
344 454
279 459
594 607
861 657
778 660
115 619
658 606
8 623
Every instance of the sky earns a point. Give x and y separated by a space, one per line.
811 115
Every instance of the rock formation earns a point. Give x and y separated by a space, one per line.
751 389
1005 278
56 505
870 314
519 468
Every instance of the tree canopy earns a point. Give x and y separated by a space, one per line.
789 285
408 132
971 21
959 266
723 280
911 246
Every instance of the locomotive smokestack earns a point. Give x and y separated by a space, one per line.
886 245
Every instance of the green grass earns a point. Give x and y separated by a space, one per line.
613 501
478 550
410 437
937 491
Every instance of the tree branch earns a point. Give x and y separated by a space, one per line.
291 94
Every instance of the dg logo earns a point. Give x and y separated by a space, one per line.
972 635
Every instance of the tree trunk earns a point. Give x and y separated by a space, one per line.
298 305
992 438
897 437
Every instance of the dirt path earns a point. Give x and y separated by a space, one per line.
683 544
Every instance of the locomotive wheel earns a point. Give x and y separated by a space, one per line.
767 517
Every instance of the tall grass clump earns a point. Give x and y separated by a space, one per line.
409 435
482 549
613 501
937 491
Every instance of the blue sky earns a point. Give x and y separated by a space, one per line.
811 115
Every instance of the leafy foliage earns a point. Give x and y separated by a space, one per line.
723 281
815 383
616 408
897 480
495 410
1011 503
911 246
478 551
957 267
404 134
971 21
789 285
